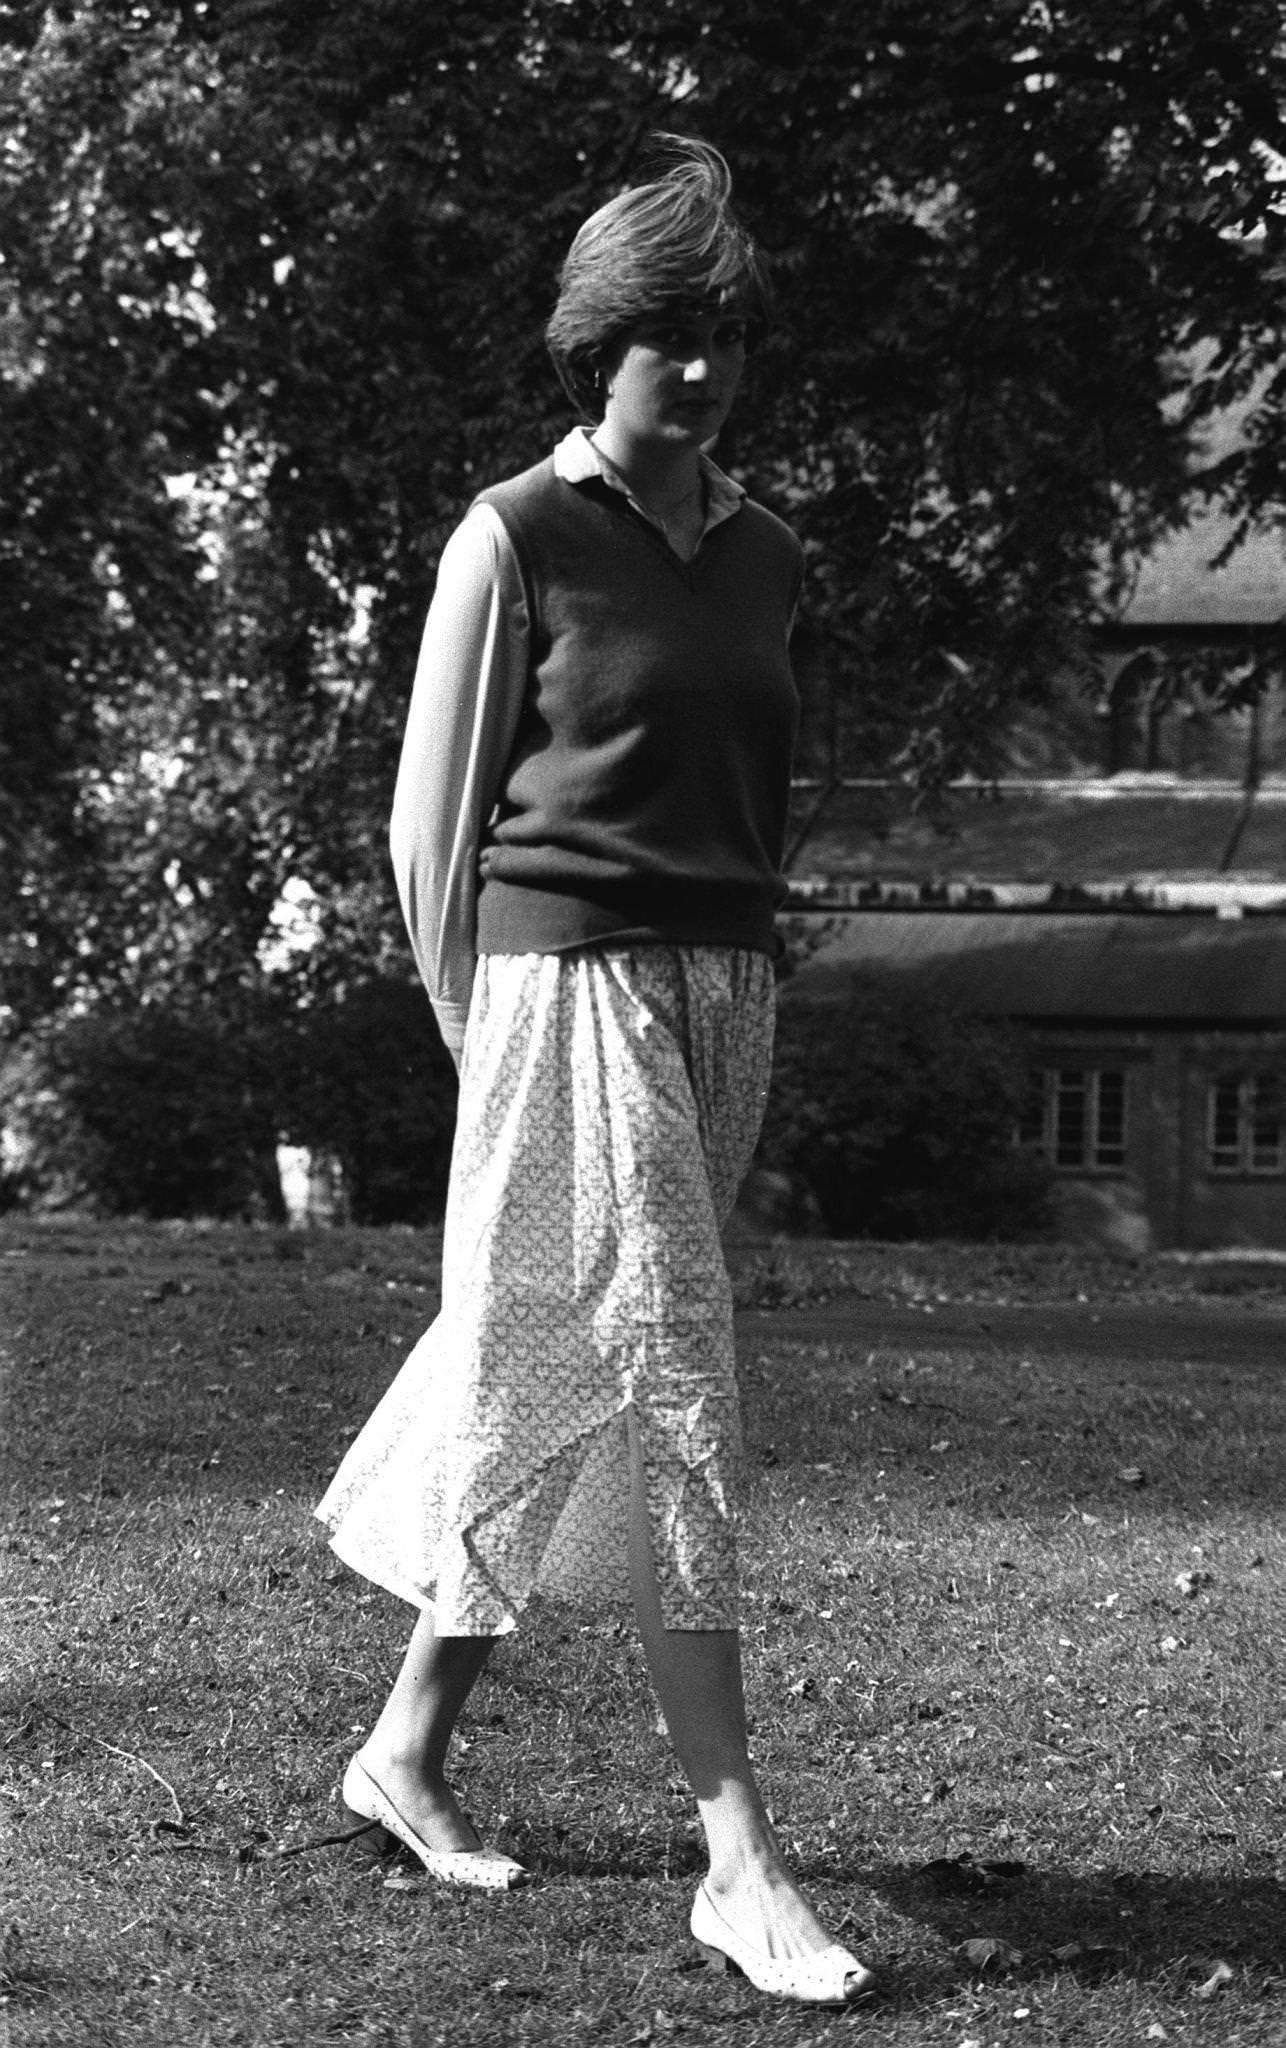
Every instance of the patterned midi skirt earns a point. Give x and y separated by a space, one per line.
609 1104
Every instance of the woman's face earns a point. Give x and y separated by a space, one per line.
672 377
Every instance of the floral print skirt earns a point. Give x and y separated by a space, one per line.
609 1104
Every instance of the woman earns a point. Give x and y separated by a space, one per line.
586 832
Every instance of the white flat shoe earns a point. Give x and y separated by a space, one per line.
481 1869
831 1977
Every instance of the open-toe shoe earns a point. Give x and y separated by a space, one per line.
829 1977
482 1869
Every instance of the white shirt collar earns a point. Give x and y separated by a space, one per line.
576 459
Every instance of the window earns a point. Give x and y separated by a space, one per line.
1246 1124
1075 1116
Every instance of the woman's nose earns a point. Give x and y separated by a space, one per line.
697 368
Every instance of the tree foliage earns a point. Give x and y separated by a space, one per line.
370 1081
902 1124
146 1112
163 1109
274 274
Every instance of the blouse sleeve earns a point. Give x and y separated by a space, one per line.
465 703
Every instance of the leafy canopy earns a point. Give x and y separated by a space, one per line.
273 280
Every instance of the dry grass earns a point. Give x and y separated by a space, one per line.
968 1644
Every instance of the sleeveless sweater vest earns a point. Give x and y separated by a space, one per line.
645 795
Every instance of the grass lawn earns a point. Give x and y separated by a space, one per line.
1015 1622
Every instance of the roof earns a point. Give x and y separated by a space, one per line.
1169 967
1096 834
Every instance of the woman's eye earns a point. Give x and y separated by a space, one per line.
732 336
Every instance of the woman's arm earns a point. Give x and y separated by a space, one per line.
464 709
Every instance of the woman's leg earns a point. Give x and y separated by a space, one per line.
406 1750
697 1676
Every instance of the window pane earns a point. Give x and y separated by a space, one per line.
1225 1119
1069 1129
1109 1149
1266 1136
1247 1124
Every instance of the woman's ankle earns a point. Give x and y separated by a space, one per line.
747 1850
397 1757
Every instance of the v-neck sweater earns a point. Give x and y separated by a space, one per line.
645 792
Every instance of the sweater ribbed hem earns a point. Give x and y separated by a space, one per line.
518 918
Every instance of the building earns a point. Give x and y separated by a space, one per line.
1121 895
1157 1051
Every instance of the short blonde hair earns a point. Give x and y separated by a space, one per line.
673 241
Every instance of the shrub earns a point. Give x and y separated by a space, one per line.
900 1118
149 1112
165 1112
370 1081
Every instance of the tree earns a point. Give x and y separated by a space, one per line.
151 1112
273 280
902 1124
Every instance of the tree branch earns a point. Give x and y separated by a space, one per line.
130 1756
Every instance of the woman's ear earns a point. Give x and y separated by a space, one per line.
603 372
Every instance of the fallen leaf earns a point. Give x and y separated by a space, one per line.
1215 1982
1190 1583
1132 1475
1156 2032
985 1952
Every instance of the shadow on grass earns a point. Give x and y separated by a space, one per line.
1137 1923
552 1851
